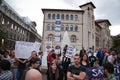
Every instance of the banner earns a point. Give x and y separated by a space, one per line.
98 74
23 49
57 30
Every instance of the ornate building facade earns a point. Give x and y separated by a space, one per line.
15 27
83 30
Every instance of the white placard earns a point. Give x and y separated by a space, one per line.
23 49
57 51
69 52
48 46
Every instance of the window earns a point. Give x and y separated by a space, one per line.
11 26
71 28
67 28
53 16
62 16
48 27
18 29
53 27
62 27
15 27
67 17
76 18
73 38
8 22
3 21
50 37
58 16
49 16
76 28
71 17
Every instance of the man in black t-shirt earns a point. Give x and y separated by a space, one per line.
92 59
76 71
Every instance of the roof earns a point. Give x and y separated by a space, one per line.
87 4
62 10
103 20
97 25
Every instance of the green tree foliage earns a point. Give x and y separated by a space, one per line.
116 41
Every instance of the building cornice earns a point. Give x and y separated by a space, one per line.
46 9
103 20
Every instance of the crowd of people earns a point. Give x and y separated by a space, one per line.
59 67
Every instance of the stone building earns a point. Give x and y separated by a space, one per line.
104 37
83 30
15 27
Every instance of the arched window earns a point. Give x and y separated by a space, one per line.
71 17
76 28
58 16
62 27
49 16
50 37
76 18
71 28
53 16
62 16
67 17
73 38
48 27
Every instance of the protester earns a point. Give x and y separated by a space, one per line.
89 51
54 72
65 48
65 63
33 74
40 54
5 73
85 61
92 59
13 64
34 64
100 56
82 52
111 58
21 67
76 71
109 71
117 60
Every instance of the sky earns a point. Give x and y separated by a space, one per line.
105 9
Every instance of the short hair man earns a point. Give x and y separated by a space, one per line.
33 74
109 71
76 71
5 74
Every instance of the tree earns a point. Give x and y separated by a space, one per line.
116 41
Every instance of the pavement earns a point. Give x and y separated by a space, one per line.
44 76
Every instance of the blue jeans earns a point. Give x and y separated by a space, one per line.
19 73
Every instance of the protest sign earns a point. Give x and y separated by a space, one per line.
23 49
69 52
48 46
97 72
